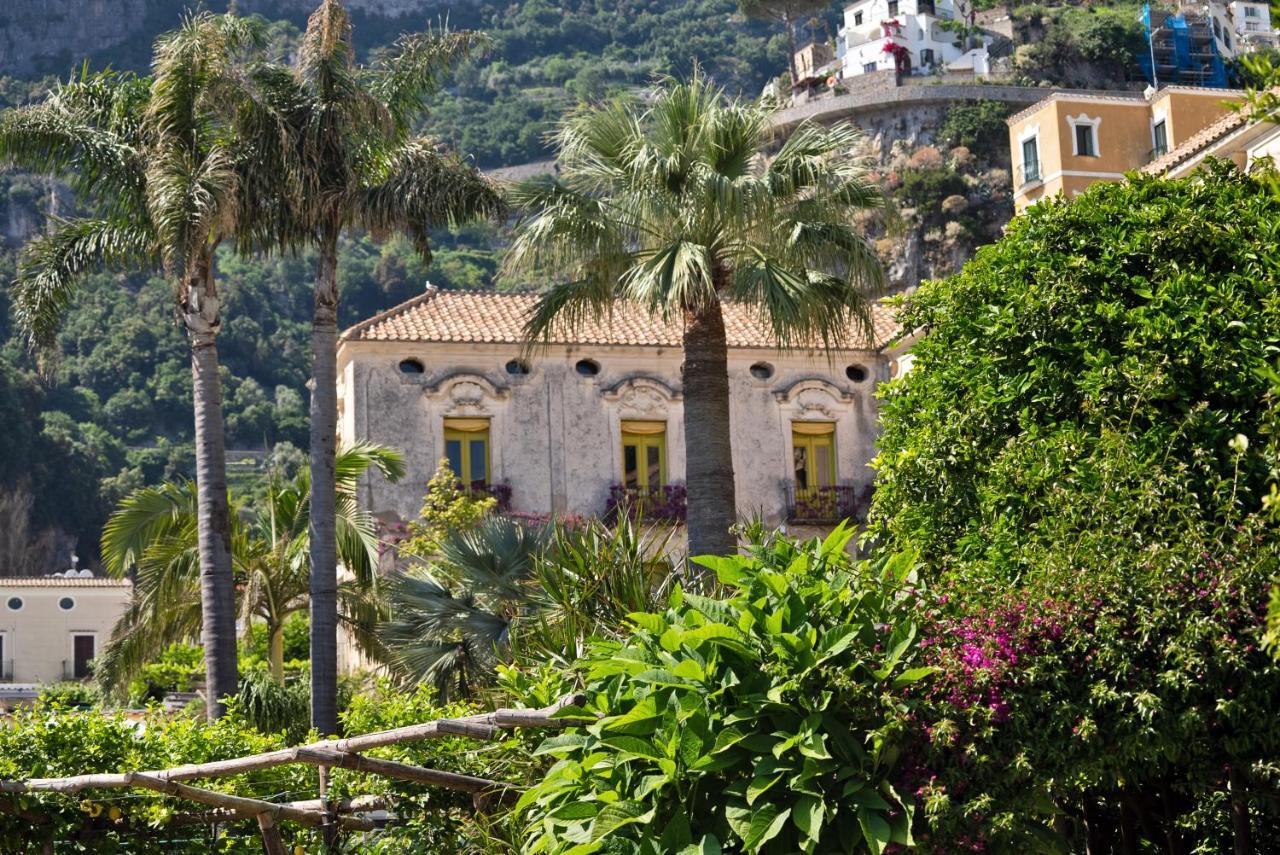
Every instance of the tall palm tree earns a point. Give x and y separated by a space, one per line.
153 534
362 168
168 177
679 207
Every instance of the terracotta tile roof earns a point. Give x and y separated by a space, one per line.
493 317
63 582
1196 143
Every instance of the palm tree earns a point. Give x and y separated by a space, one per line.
169 178
503 589
678 207
364 169
153 535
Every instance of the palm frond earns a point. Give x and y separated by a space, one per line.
143 517
413 69
51 266
495 558
422 186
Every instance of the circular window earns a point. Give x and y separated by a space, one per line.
66 604
856 373
587 367
411 366
15 604
761 371
517 367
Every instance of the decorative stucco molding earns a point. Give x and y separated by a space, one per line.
814 397
465 393
642 398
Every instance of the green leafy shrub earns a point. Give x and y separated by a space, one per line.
38 744
68 696
975 124
446 507
764 721
1080 455
431 819
179 669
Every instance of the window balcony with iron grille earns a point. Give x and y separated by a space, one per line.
822 505
501 493
668 503
1029 173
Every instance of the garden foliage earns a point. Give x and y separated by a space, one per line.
1080 455
763 721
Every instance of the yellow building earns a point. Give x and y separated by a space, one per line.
1069 140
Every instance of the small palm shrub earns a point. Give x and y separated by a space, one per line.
765 720
504 589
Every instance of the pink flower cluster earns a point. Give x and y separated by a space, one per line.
978 655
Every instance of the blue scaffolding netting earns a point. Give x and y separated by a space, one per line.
1177 55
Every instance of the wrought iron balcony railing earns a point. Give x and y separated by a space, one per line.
821 504
668 503
499 492
1029 173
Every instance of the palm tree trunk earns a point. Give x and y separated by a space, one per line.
323 547
790 27
217 585
275 649
708 449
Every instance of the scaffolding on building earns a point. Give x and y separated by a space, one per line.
1182 49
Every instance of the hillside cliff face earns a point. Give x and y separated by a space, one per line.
39 35
53 36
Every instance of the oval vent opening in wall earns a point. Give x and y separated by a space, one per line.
761 371
587 367
411 366
856 373
517 367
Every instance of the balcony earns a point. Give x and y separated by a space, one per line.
1029 173
669 503
821 505
501 493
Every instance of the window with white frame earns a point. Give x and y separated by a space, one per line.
1030 159
869 67
1160 137
1252 12
1084 135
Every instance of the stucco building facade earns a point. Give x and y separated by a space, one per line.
1068 141
52 627
596 415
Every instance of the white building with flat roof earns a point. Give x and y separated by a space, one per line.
911 36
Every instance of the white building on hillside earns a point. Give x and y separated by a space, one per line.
910 36
1253 25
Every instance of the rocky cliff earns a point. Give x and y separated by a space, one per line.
53 36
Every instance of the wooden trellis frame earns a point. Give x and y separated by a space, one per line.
330 753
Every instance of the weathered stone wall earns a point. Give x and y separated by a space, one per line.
555 434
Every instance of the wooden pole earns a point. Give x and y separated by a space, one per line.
272 843
400 771
484 726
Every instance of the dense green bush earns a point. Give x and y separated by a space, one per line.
764 721
1080 455
975 124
